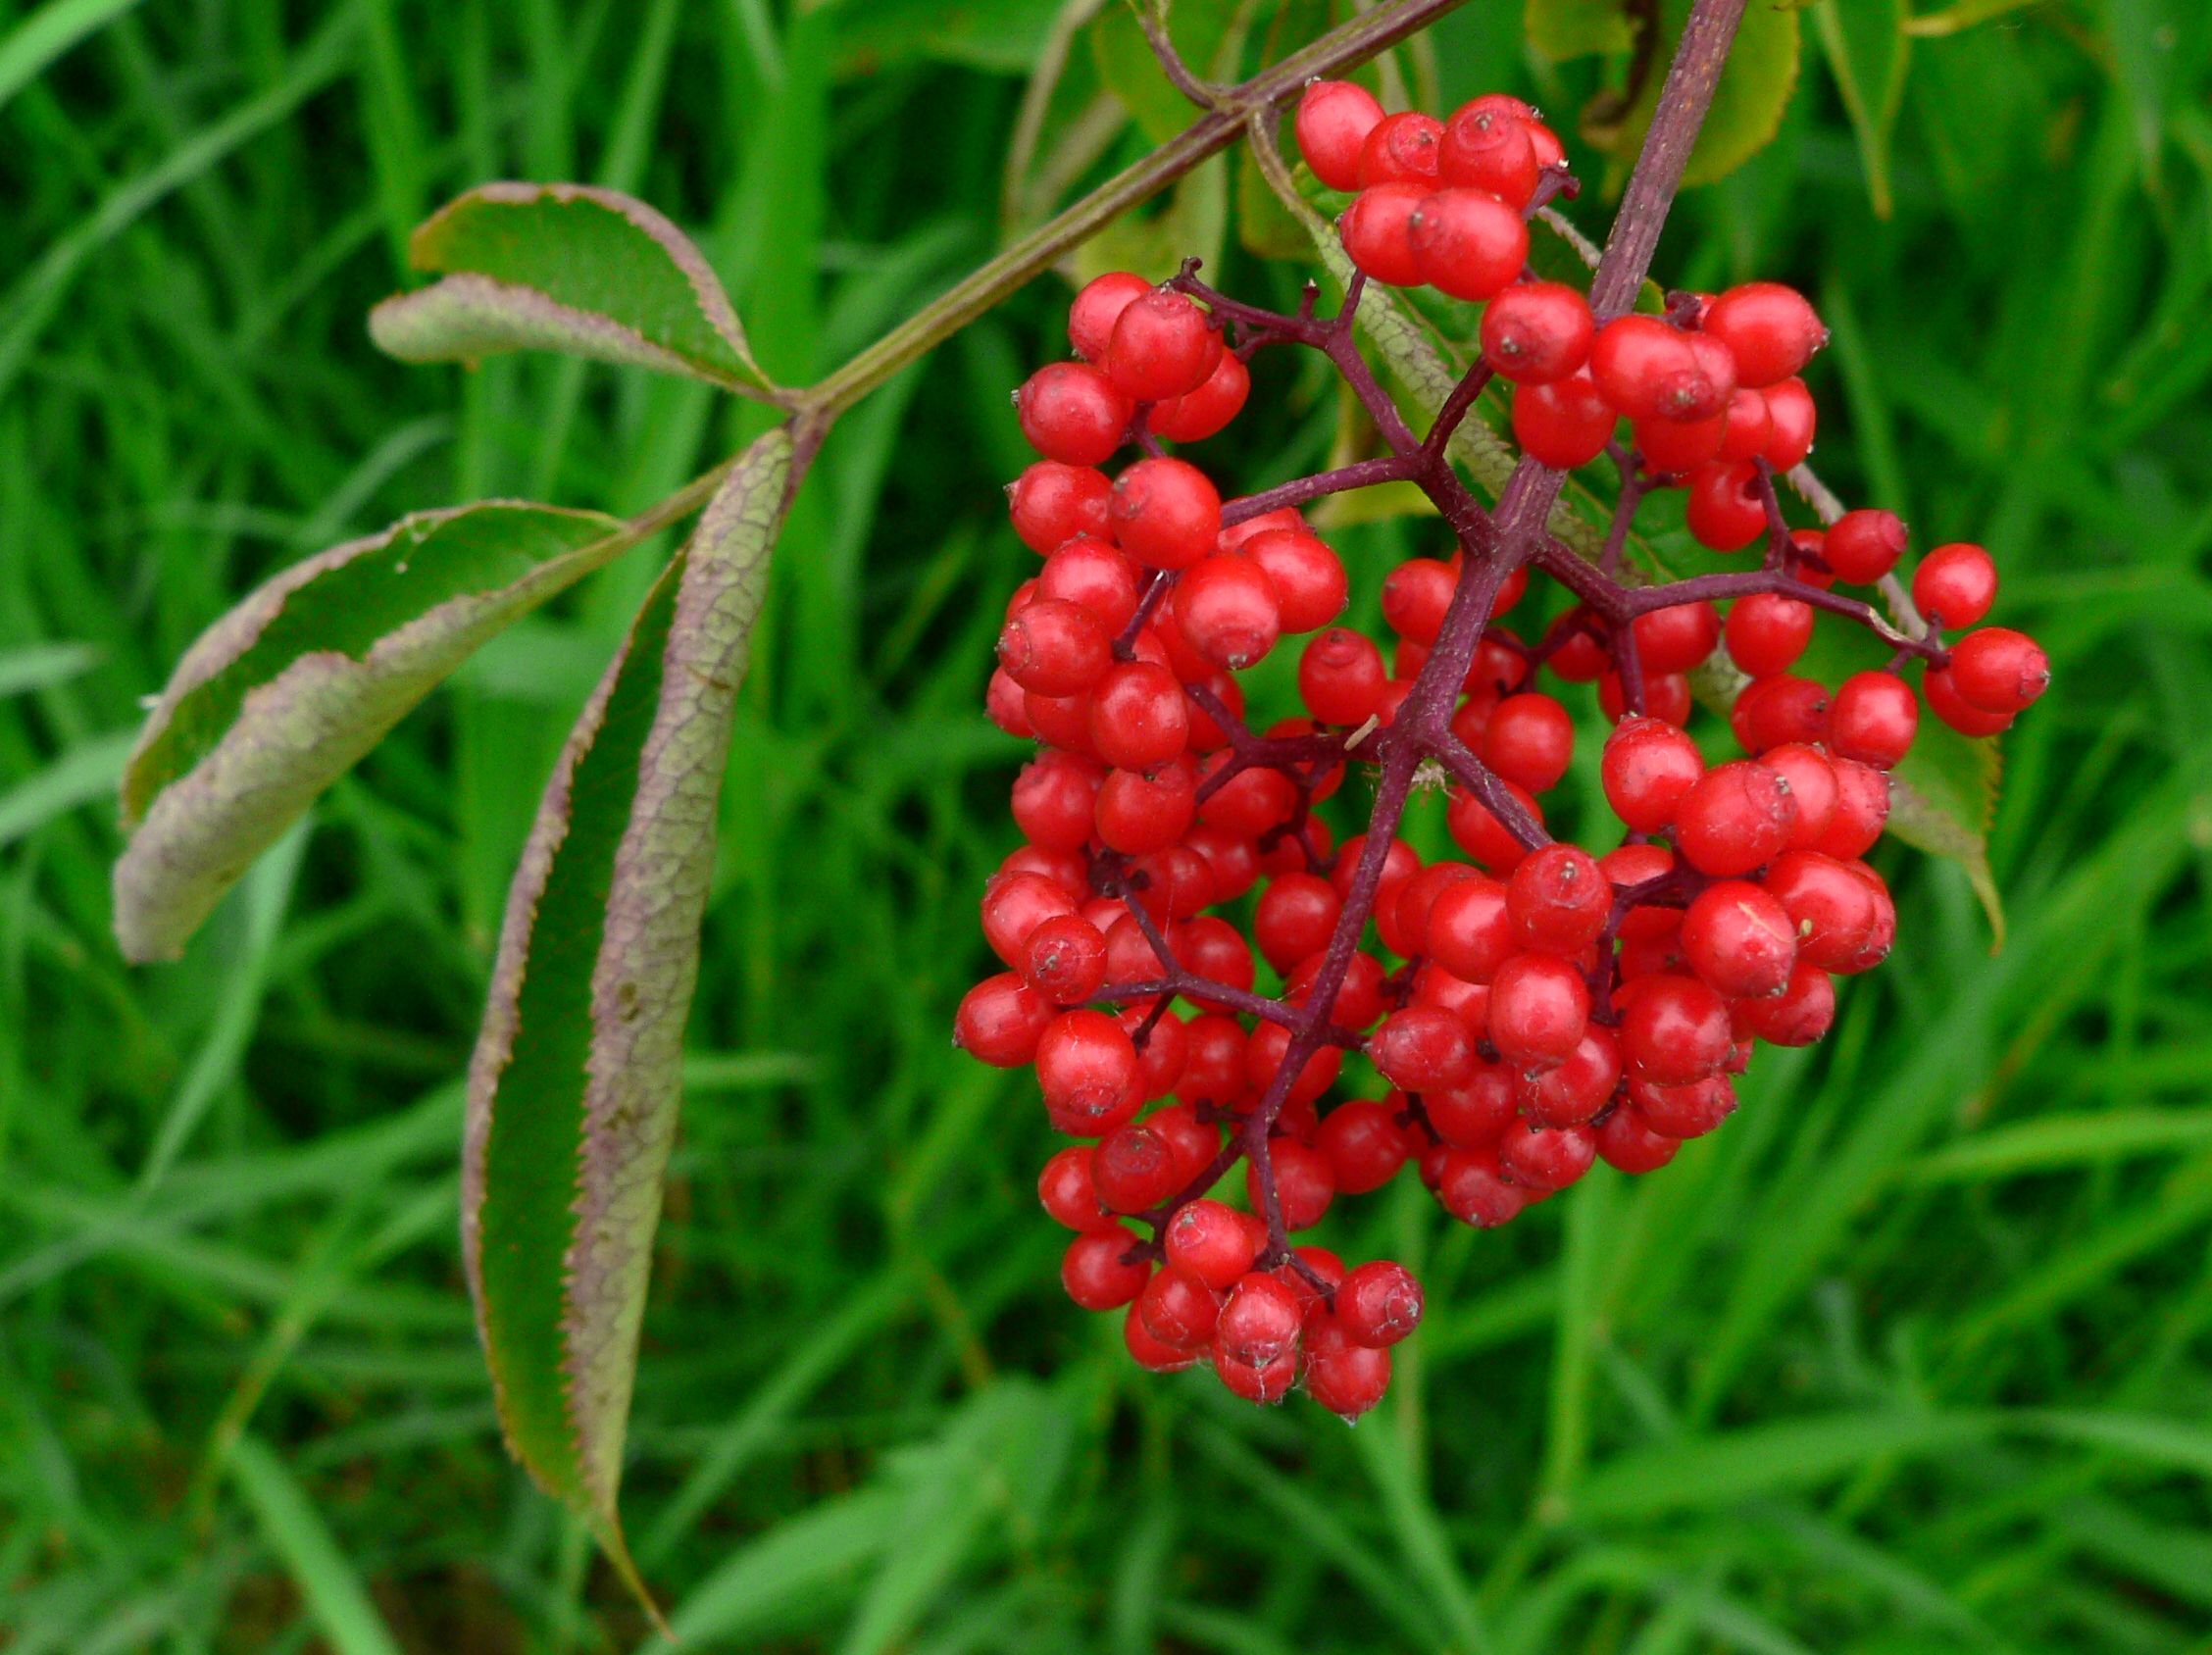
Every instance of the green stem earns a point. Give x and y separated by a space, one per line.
1340 49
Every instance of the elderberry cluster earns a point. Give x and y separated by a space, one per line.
1532 1005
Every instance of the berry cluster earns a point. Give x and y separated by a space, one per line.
1532 1006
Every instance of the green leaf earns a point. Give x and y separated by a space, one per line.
1748 104
1193 225
567 268
1578 29
287 691
1205 32
573 1087
1868 51
998 36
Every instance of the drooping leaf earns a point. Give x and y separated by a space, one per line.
1868 50
568 268
1578 28
572 1089
1747 106
287 691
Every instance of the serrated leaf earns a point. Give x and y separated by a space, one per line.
1868 51
566 268
1578 28
1748 104
572 1089
287 691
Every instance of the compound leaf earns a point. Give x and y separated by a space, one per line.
573 1088
287 691
567 268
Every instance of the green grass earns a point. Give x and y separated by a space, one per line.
1915 1356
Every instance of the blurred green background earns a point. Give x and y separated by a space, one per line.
1915 1355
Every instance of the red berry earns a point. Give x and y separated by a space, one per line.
1470 932
1739 939
1376 230
1000 1020
1139 812
1629 1143
1468 243
1403 920
1811 774
1537 332
1649 767
1166 513
1054 647
1097 306
1215 1244
1770 328
1862 807
1684 1112
1945 702
1474 1188
1957 582
1422 1047
1539 1006
1563 424
1305 1183
1090 573
1135 1167
1998 669
1064 959
1767 632
1414 597
1791 421
1575 1093
1675 447
1674 1031
1379 1304
1747 429
1863 545
1138 716
1736 818
1178 1309
1014 905
1363 1144
1335 118
1163 346
1197 414
1071 412
1558 900
1801 1013
1545 1158
1400 149
1341 677
1726 509
1264 1385
1067 1192
1344 1376
1487 148
1054 799
1530 741
1294 917
1086 1066
1830 910
1260 1321
1096 1271
1677 638
1482 836
1872 718
1228 609
1307 575
1649 370
1775 710
1052 503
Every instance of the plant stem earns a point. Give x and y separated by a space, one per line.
1343 48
